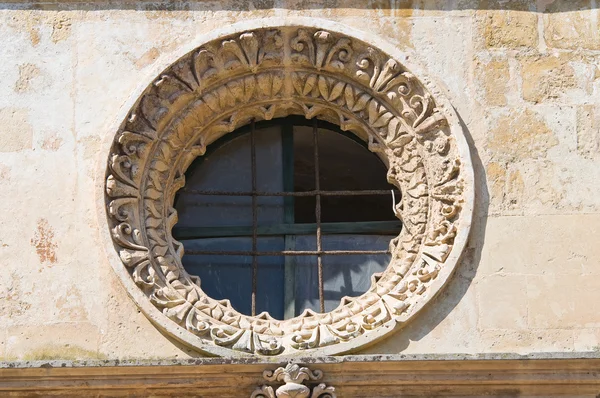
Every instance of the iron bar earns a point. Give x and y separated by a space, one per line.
289 262
318 216
254 217
284 252
365 192
290 229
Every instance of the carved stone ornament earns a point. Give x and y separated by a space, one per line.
293 375
261 73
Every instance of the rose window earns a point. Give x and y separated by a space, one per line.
287 188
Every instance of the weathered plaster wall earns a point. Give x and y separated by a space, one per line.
524 77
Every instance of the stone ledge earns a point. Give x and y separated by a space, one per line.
548 374
58 363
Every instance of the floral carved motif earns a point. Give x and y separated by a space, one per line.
276 72
294 376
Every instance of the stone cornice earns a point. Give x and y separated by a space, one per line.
352 376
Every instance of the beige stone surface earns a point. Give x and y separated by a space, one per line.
509 29
526 340
570 306
523 77
16 133
520 245
587 339
567 77
572 25
493 76
502 302
533 163
519 135
27 74
588 131
3 343
71 340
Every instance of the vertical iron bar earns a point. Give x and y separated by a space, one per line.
289 268
254 216
318 216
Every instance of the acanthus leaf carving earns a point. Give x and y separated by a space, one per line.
322 49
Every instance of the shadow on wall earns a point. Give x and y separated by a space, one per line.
251 5
449 297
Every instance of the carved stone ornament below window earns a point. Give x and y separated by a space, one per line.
294 376
330 73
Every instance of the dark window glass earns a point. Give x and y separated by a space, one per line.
286 284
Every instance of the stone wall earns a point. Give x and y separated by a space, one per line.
523 76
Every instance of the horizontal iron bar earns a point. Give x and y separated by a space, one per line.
284 252
365 228
301 193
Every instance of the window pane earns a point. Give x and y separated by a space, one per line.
223 277
230 277
228 168
346 275
344 165
307 277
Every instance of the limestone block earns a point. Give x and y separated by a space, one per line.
588 131
14 300
401 8
493 78
27 75
496 174
572 24
519 134
16 133
551 188
70 340
376 8
563 301
541 245
502 302
586 339
448 57
554 177
39 25
534 187
110 68
49 256
526 341
40 74
398 31
566 77
508 29
27 301
532 162
3 344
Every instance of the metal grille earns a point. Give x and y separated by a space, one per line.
254 194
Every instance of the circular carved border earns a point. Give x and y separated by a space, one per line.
274 69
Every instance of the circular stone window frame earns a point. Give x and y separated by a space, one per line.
268 68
